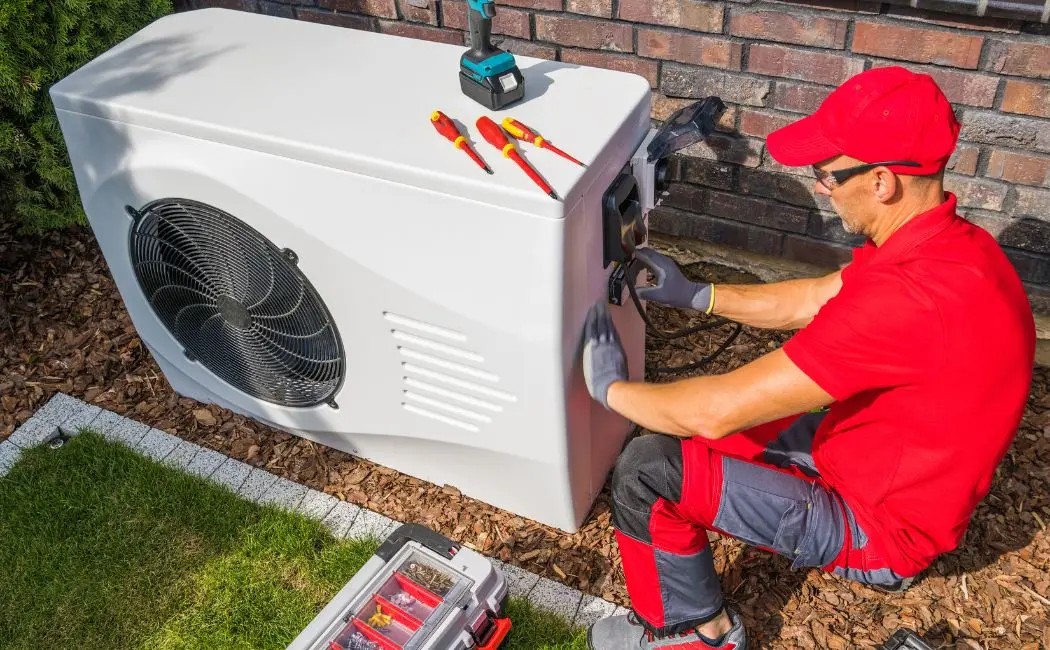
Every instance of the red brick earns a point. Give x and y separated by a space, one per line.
761 124
239 5
582 32
761 212
1021 59
917 44
381 8
690 48
685 196
688 14
819 67
549 5
987 127
746 152
1033 203
509 22
959 21
664 107
1018 168
960 87
801 29
421 32
1027 98
964 159
275 9
623 63
416 14
680 223
849 6
599 8
339 20
678 80
975 192
816 251
529 48
799 98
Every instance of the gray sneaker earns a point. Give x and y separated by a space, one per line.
626 633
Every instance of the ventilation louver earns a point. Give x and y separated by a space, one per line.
236 303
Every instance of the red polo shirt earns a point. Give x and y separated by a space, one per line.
928 350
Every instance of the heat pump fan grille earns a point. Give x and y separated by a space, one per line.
236 303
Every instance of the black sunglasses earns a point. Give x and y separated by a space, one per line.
833 179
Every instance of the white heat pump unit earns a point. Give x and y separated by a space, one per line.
295 242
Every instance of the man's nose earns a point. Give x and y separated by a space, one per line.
820 188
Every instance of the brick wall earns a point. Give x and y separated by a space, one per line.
772 62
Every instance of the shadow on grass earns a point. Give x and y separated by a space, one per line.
103 548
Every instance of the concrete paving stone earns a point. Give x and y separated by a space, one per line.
284 494
339 520
621 611
79 418
316 504
128 432
33 432
59 408
182 455
373 524
106 423
556 597
9 455
206 462
257 483
592 609
231 474
157 444
519 581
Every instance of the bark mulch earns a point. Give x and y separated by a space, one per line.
63 327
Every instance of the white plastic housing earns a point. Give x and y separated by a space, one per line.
459 296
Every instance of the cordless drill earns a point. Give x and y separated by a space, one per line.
487 74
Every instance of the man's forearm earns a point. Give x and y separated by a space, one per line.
715 406
789 304
675 408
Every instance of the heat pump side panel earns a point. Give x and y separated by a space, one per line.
450 310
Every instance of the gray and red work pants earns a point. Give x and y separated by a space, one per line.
759 486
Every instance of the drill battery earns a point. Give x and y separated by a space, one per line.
420 591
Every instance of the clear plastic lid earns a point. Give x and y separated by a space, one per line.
402 605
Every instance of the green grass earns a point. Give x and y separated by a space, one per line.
101 548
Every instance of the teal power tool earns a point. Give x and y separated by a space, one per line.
487 74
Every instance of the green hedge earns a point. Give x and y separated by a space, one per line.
41 41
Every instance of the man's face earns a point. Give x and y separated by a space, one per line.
852 200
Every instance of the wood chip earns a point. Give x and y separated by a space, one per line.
63 326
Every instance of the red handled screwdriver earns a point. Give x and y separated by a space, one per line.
447 128
522 132
495 136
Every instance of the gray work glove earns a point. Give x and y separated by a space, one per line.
604 360
672 287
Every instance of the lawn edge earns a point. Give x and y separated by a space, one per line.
65 416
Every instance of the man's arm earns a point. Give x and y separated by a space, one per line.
716 406
790 304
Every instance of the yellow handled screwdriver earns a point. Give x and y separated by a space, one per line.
522 132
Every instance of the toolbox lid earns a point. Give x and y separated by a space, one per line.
351 99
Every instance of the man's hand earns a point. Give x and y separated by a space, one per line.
604 361
672 287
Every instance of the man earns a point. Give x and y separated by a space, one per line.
922 347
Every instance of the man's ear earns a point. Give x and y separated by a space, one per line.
885 185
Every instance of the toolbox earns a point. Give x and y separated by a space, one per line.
420 591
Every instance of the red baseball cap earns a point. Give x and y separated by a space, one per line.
878 115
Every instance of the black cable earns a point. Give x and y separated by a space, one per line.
717 321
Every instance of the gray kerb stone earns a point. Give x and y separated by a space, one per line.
9 455
67 415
